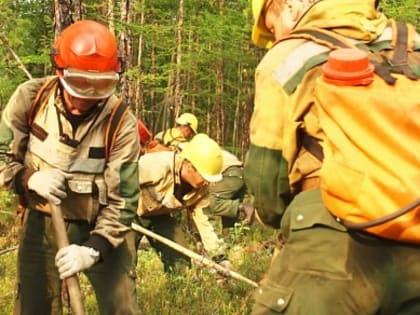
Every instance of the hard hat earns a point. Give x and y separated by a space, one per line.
86 58
188 119
86 45
205 155
261 36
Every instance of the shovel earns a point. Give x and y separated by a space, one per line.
199 258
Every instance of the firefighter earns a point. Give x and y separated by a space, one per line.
171 181
186 126
321 266
60 158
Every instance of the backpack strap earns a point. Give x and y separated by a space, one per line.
335 41
46 90
399 62
401 42
322 37
118 114
311 145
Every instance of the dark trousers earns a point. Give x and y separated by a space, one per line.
172 227
227 194
322 269
39 286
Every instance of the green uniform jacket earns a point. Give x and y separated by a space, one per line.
102 192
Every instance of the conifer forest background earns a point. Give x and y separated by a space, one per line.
179 55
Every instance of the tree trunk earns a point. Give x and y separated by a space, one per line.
139 98
177 88
191 84
153 72
77 9
220 116
126 49
168 100
109 13
62 16
237 107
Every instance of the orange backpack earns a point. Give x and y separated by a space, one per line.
370 176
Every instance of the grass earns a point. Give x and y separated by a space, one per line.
195 290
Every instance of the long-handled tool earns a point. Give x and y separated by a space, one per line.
72 283
199 258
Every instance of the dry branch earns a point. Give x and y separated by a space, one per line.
6 43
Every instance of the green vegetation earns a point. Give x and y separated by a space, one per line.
195 290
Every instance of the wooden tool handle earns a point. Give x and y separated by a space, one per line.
72 283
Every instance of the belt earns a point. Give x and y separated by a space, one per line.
310 183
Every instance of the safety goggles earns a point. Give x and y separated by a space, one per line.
89 84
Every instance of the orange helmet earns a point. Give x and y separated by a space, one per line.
86 45
86 57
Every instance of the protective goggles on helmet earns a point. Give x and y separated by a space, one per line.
89 84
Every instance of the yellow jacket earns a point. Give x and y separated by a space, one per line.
275 164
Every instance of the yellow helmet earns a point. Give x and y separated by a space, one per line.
205 155
188 119
261 36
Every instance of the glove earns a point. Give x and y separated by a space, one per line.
50 184
226 264
74 258
225 274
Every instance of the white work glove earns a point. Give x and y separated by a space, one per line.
50 184
226 264
75 258
225 275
